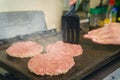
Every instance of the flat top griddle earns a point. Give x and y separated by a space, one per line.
94 56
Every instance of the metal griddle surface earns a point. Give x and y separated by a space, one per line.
94 56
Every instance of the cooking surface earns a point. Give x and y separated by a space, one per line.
93 57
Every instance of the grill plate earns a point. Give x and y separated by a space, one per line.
94 56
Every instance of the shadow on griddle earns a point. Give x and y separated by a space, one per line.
17 60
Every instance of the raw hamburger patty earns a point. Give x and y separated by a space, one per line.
58 59
24 49
45 64
65 49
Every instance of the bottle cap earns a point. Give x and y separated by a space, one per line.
111 2
95 11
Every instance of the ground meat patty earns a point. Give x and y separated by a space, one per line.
58 59
66 49
44 64
24 49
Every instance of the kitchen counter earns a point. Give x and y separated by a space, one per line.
94 56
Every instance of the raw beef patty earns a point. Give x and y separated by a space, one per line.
24 49
44 64
58 59
66 49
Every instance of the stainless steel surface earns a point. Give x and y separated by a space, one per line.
115 75
21 23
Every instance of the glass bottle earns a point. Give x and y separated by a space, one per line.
94 18
109 14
